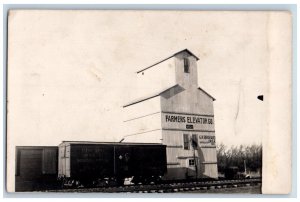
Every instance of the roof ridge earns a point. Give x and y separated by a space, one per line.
168 58
206 93
149 97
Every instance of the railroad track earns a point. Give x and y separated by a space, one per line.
169 187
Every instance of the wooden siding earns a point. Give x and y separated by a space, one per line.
143 124
61 161
188 101
208 155
186 80
147 137
142 109
31 163
64 160
177 157
50 160
209 171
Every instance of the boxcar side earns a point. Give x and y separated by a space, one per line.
146 160
36 168
89 162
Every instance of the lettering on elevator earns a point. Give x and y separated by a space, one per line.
188 119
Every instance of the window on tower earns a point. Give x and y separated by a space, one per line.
186 65
186 142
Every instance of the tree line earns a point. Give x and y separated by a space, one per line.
238 156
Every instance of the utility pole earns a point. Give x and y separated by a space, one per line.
196 169
195 146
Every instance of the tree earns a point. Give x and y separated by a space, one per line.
235 156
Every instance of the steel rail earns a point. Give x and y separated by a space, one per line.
168 187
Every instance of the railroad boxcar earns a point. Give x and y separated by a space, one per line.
36 168
88 163
234 173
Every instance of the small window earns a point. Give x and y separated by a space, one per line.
186 65
186 144
194 141
191 162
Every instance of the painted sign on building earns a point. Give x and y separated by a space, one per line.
206 140
187 122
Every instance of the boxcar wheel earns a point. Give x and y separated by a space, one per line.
136 180
120 181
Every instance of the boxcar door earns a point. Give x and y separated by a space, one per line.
123 156
29 169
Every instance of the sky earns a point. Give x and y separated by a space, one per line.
70 72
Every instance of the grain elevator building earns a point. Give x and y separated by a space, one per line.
176 112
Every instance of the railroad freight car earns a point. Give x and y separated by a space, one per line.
92 163
36 168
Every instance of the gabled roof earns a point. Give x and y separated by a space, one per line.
148 97
161 92
184 50
207 93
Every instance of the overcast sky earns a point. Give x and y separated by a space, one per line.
70 72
